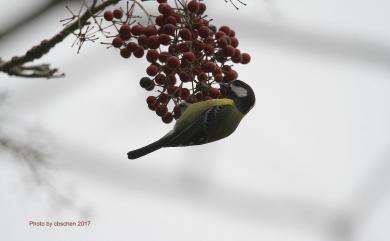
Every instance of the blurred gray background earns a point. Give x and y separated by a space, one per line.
310 162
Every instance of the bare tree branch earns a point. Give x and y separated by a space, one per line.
15 66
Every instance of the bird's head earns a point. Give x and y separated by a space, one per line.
241 93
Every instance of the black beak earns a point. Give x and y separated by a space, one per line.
224 86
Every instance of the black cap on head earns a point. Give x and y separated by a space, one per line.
241 93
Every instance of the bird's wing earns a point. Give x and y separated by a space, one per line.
198 132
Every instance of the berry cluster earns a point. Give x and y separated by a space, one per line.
188 56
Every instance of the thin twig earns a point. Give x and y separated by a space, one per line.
15 66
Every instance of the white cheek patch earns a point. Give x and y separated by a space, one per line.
239 91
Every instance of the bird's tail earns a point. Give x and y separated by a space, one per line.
149 148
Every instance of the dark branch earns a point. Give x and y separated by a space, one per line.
15 65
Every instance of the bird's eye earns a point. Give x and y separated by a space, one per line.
239 91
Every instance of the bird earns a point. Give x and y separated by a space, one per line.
206 121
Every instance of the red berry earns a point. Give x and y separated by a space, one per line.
152 55
153 42
160 79
185 77
209 39
160 20
199 95
217 70
203 77
222 42
172 79
132 46
237 57
195 33
204 32
150 30
172 49
177 17
169 29
228 39
177 111
152 70
184 46
209 49
177 92
232 33
137 30
193 6
139 52
214 93
125 53
125 32
164 39
169 71
202 8
163 98
171 20
118 14
161 110
229 50
234 42
218 77
153 107
198 70
246 58
173 62
231 75
219 34
164 57
171 89
161 1
198 45
185 34
189 56
165 9
226 68
185 93
167 118
151 87
108 15
145 82
196 23
117 42
151 100
143 40
225 29
208 67
198 55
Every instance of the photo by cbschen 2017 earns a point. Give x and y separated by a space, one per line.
268 120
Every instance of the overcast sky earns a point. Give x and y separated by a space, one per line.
309 162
